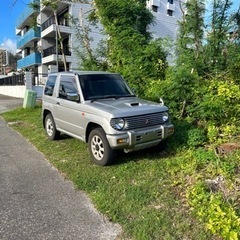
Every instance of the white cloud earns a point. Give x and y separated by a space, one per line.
9 45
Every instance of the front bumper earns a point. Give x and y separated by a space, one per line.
139 139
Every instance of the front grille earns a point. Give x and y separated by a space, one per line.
142 121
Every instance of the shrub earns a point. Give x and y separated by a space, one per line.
220 217
196 137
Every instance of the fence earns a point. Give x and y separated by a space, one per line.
16 85
18 80
15 80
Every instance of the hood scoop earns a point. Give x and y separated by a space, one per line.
133 104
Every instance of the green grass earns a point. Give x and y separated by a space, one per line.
145 191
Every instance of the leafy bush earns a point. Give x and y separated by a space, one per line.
213 105
220 109
220 217
196 137
203 158
179 90
186 135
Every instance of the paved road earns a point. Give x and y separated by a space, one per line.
7 103
35 201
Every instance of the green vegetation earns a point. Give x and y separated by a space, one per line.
202 87
153 194
128 47
156 195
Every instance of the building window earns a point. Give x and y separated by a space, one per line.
170 12
170 1
154 8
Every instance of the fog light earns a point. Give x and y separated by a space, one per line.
170 130
121 140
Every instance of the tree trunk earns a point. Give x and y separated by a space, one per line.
60 41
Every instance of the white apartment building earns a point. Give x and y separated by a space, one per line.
37 44
4 61
167 13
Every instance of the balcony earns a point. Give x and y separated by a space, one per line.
50 54
24 18
49 27
155 3
48 10
29 37
31 60
170 6
52 50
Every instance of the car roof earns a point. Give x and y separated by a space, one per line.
81 72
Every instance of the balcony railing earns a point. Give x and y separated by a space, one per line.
52 50
61 22
48 23
28 11
32 34
30 60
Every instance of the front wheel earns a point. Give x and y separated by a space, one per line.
162 146
99 148
50 128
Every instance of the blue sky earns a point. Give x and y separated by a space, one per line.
8 15
10 11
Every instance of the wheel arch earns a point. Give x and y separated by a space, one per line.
44 114
90 127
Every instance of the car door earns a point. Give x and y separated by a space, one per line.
68 115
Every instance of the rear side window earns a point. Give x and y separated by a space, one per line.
50 85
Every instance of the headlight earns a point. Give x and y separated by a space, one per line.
165 116
117 123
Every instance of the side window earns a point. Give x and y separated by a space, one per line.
67 85
50 85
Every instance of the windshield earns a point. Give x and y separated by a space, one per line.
99 86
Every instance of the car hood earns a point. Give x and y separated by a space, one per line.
125 106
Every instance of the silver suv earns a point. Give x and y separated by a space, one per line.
100 109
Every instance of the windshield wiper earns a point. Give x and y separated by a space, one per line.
129 95
110 96
103 97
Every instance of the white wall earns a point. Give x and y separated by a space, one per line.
39 90
13 91
19 91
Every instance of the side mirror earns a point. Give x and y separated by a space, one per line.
73 97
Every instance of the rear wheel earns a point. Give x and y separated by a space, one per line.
50 127
99 148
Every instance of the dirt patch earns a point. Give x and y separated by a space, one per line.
227 148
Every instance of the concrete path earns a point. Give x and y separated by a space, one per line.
35 200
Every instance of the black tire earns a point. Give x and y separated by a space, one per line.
162 146
50 127
101 152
